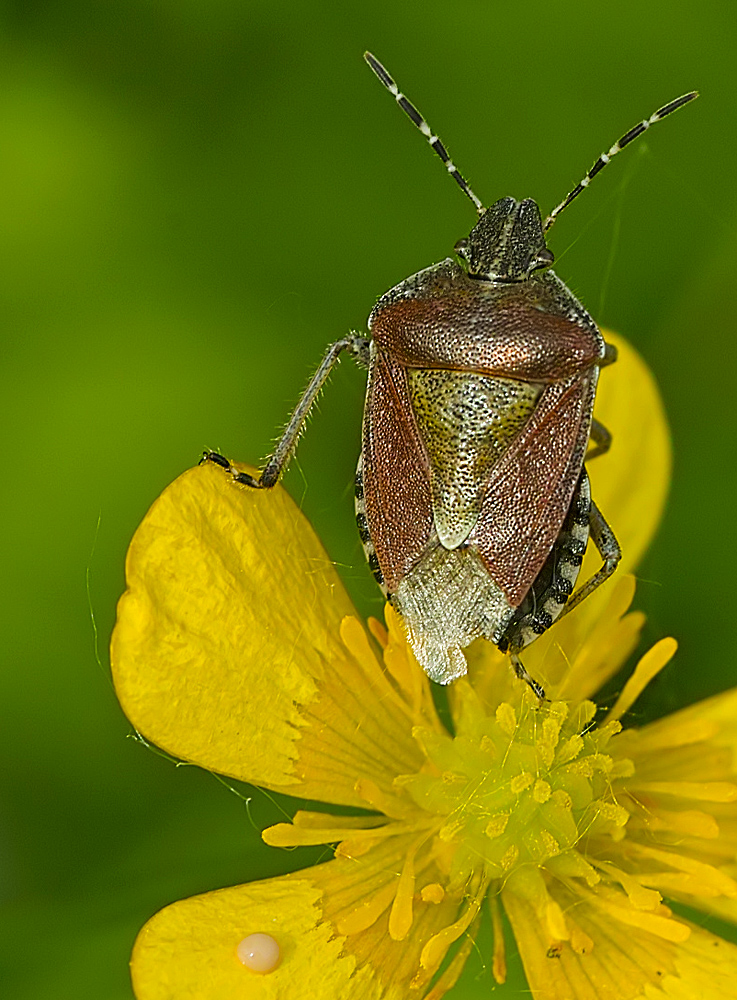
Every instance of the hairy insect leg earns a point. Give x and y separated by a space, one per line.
276 465
609 550
523 674
216 459
602 439
239 477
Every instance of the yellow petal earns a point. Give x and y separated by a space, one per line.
630 483
188 950
228 652
621 965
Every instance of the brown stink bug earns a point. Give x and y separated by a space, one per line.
472 499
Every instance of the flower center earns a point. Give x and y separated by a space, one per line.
518 788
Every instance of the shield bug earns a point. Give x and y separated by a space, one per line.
472 499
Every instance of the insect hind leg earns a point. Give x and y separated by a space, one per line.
608 547
553 585
521 671
602 438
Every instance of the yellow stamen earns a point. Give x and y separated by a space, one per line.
496 825
354 848
289 835
319 820
610 812
433 892
381 801
499 961
379 632
401 664
451 975
692 822
506 718
541 792
561 798
640 897
436 948
666 734
400 918
580 940
622 769
571 864
356 642
365 914
700 791
662 926
550 844
521 782
711 878
509 858
548 738
529 884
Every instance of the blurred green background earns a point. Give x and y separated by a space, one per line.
197 197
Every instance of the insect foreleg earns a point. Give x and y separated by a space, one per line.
609 550
285 448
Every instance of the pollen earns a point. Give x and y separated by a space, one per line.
432 893
526 785
558 815
497 825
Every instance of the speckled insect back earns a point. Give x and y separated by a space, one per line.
472 500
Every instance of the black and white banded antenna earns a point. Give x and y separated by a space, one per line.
618 146
416 118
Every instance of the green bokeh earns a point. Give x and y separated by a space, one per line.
197 197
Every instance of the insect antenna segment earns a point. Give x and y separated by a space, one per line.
618 146
416 118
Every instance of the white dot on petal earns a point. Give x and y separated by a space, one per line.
259 952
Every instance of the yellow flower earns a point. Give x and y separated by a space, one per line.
237 648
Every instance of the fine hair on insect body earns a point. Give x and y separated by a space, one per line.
472 498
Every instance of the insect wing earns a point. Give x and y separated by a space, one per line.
395 473
529 489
